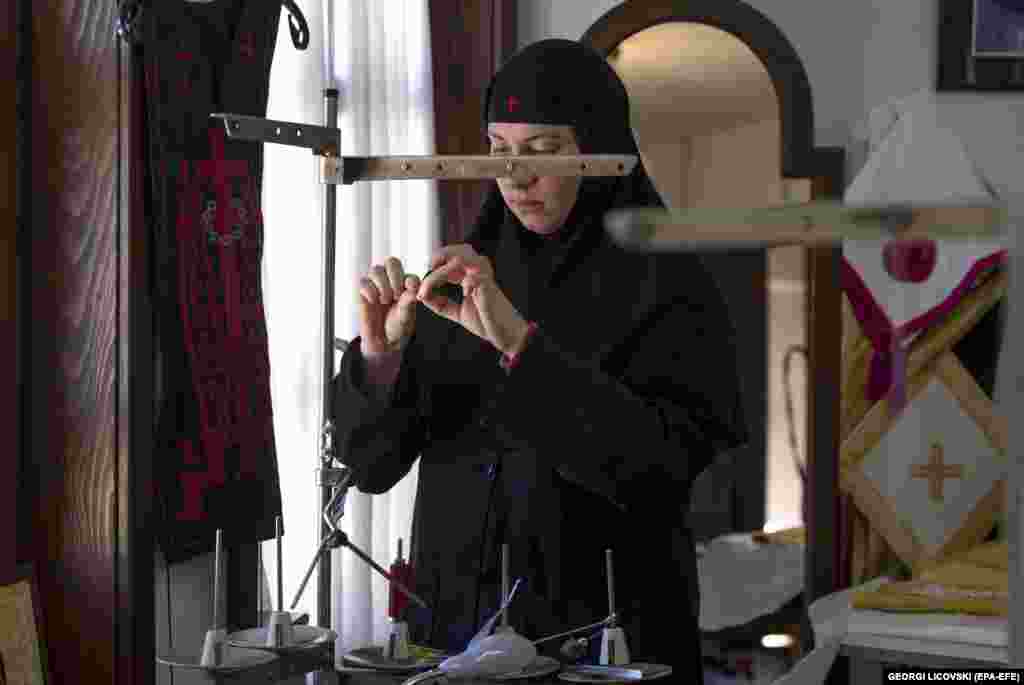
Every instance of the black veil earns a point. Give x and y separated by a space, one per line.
564 82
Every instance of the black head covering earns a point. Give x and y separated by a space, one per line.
559 82
564 82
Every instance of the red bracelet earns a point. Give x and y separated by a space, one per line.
510 361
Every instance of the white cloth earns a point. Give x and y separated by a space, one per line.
915 159
377 54
292 257
741 580
829 618
835 622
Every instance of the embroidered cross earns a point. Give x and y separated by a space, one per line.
512 103
220 171
936 471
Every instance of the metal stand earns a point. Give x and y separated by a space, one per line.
325 141
333 479
327 472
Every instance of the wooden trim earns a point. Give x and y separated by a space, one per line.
797 190
923 351
27 572
979 523
974 401
135 534
792 86
23 155
824 336
877 509
877 422
902 539
10 329
824 506
948 370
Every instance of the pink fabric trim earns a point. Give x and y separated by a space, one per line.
382 372
888 364
509 362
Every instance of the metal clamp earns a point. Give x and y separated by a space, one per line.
327 445
129 16
331 477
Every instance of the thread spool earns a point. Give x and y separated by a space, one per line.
506 579
213 643
614 649
279 624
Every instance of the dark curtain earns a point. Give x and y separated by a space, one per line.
469 42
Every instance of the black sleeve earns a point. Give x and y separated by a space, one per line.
667 413
379 438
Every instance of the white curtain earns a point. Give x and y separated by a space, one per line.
377 54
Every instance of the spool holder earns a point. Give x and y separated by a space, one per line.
219 661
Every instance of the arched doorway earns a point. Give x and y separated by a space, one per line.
723 115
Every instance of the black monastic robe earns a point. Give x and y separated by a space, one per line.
624 395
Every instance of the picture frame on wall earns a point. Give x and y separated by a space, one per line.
22 650
981 45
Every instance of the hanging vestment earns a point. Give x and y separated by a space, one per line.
216 465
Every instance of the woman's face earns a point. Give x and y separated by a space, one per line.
542 203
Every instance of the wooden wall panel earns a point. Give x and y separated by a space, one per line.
72 466
469 41
9 332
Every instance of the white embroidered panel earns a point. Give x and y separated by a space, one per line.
934 418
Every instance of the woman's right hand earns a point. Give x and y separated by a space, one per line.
387 308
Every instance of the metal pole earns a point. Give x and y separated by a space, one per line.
280 565
330 233
505 569
219 620
611 581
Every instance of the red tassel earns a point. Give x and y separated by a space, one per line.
401 571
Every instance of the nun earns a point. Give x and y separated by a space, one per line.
561 402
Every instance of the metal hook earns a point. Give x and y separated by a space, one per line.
129 12
297 25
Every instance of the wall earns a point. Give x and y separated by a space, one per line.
78 511
858 55
883 50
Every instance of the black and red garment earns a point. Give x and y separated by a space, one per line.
216 465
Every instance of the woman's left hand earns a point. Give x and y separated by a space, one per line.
484 311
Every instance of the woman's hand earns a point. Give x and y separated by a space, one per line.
484 311
387 308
